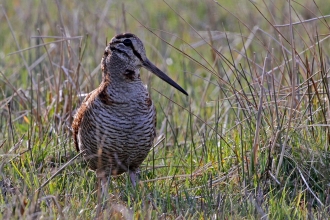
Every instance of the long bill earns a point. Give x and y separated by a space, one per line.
152 68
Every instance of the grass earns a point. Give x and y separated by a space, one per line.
251 141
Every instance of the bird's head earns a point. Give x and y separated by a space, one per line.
125 55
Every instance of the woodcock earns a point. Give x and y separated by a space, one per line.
116 124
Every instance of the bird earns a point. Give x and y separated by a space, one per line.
115 125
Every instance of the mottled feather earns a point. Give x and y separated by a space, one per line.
115 125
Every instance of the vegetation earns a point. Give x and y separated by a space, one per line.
251 141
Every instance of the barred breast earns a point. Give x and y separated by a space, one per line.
115 125
115 132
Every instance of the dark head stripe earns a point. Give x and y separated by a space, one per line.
129 35
124 35
137 54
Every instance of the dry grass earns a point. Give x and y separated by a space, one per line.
250 141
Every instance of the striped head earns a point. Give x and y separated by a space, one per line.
125 55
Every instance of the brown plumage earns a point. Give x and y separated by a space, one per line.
116 123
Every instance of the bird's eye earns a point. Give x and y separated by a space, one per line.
127 42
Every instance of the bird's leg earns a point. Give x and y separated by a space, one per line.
103 182
133 177
103 192
104 188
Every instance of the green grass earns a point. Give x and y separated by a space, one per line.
251 141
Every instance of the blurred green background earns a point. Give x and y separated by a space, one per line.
222 156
